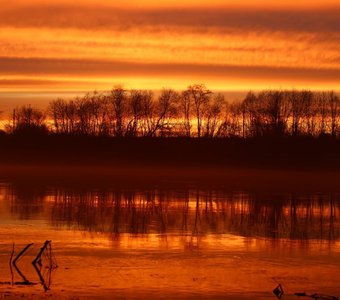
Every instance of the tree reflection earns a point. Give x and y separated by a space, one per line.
24 201
192 212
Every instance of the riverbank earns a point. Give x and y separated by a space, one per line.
292 164
286 152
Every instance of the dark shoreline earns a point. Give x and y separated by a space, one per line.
268 153
235 164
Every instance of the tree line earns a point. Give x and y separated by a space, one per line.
194 112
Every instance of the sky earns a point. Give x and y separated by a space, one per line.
50 47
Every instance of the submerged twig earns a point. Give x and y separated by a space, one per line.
10 264
37 264
17 258
21 253
278 291
316 296
37 260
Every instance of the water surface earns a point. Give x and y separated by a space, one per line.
152 242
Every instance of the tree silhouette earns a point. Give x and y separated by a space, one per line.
118 101
194 112
27 120
186 107
213 115
200 95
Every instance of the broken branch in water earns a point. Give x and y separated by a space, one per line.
278 291
316 296
37 260
22 252
10 263
37 264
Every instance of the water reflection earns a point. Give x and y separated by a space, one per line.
152 241
194 212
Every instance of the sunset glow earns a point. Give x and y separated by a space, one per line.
46 46
169 149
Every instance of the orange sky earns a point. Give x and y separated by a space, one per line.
65 46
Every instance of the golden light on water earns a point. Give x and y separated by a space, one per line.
146 242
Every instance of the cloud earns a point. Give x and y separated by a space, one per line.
92 68
244 48
50 43
146 4
28 82
57 16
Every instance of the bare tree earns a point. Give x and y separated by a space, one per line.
165 111
246 112
83 111
57 111
334 104
27 119
200 95
230 125
118 100
213 115
307 102
255 113
321 102
297 106
135 112
148 114
185 107
276 111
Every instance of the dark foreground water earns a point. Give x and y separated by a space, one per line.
155 243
